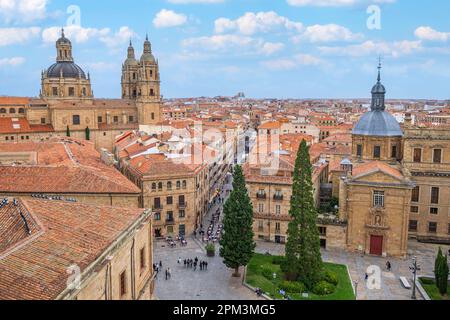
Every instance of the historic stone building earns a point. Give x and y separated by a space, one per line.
59 250
67 105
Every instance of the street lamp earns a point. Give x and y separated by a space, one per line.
356 288
414 268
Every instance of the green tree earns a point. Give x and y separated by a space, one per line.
237 245
68 131
303 244
441 272
88 133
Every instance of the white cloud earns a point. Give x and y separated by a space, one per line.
334 3
9 36
327 33
74 33
23 10
15 61
270 48
430 34
262 22
119 38
294 62
168 18
394 49
234 43
195 1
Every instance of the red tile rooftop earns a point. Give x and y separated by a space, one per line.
33 265
61 165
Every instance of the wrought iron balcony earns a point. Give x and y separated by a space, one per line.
182 205
261 196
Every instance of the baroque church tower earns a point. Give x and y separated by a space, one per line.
65 80
141 82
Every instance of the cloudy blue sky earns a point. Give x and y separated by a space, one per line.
265 48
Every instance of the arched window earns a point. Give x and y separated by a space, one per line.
21 110
12 110
160 186
178 184
152 92
169 185
2 110
153 186
184 184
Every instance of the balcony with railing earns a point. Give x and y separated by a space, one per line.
157 207
278 197
261 195
170 221
182 205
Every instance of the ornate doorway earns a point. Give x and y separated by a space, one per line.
376 245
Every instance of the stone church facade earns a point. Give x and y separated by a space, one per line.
66 104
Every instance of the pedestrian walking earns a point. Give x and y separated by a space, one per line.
388 266
160 264
169 274
366 276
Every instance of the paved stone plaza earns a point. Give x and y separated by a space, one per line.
217 283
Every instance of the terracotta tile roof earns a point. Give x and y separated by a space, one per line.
63 166
270 125
14 100
64 234
375 166
21 125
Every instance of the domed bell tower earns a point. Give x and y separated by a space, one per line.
148 88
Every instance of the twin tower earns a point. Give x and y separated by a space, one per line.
141 82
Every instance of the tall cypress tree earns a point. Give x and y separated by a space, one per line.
68 131
441 272
237 244
88 133
292 249
310 265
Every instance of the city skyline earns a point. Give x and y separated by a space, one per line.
292 49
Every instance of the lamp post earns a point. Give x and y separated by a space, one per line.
356 289
414 268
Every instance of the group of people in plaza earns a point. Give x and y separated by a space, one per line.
157 267
193 263
173 243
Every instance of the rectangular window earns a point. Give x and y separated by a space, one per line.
417 158
261 207
71 92
377 152
435 195
278 227
434 211
260 226
378 199
54 91
432 227
323 231
413 225
182 213
157 216
414 209
415 194
169 200
142 259
76 120
123 283
130 119
278 209
116 119
43 121
99 119
394 152
437 155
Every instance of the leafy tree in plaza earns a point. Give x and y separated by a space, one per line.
88 133
441 272
68 131
237 245
303 258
